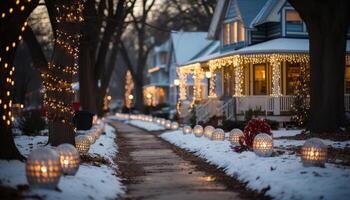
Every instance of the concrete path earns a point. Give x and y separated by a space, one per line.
165 175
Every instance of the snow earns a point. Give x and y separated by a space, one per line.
149 126
90 182
333 144
285 133
284 174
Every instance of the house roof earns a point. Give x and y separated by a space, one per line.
188 44
279 45
267 10
211 51
246 9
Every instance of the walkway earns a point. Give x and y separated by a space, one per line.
154 171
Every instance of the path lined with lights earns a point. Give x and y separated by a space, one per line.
156 172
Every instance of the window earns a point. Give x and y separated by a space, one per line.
234 32
347 79
294 23
293 73
162 58
227 34
260 83
241 32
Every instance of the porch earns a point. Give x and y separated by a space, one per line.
235 108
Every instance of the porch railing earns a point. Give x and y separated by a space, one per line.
202 112
228 109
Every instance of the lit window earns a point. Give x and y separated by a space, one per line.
227 34
293 71
260 84
294 23
234 32
241 32
347 79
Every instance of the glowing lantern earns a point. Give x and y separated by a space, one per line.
218 134
82 144
174 125
91 136
158 121
162 122
314 153
69 157
168 124
187 130
43 168
263 145
198 131
234 136
208 131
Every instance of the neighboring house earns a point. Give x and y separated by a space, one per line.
163 61
156 91
263 48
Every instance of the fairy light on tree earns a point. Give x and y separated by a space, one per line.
57 80
301 104
13 15
129 87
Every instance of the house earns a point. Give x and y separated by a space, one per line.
263 50
157 90
163 62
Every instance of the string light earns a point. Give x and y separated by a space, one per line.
57 81
8 71
129 87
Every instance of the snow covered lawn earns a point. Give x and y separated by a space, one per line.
149 126
90 182
284 175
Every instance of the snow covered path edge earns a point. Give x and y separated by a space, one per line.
284 175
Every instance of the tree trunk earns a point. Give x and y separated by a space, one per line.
327 23
58 80
87 81
10 29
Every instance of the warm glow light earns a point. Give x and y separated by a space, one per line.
263 145
314 153
208 74
131 97
177 82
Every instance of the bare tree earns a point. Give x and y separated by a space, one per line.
101 33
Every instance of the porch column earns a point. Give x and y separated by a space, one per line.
212 85
238 70
182 87
197 76
276 83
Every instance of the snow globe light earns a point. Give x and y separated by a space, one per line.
208 131
174 125
263 145
91 136
82 144
162 122
43 169
69 158
187 130
314 153
168 124
235 135
218 134
198 131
